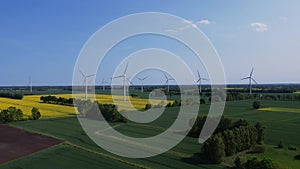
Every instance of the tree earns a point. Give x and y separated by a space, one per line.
238 163
15 114
35 113
230 142
148 106
214 149
202 101
256 104
260 132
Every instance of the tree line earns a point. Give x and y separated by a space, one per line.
228 138
18 96
12 114
56 100
234 96
254 163
90 110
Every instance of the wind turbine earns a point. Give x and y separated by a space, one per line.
103 84
200 80
125 78
85 81
250 80
167 81
30 84
142 80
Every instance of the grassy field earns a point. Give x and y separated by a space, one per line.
281 124
68 129
65 156
52 110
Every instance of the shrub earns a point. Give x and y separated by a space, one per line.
293 148
148 106
35 113
256 104
297 157
280 144
202 101
257 149
238 163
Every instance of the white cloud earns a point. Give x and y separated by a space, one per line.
187 24
259 26
204 22
190 24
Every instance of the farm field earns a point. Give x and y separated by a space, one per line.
65 156
52 110
280 125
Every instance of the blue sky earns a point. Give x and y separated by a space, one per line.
44 38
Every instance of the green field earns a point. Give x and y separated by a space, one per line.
280 125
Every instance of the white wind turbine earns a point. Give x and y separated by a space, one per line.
142 81
167 81
103 84
125 78
30 84
200 80
85 81
250 81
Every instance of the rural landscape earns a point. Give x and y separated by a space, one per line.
276 115
149 84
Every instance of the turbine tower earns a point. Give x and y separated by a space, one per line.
30 84
85 81
125 78
142 81
167 81
250 81
103 84
200 81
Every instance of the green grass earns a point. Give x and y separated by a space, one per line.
283 126
65 156
68 129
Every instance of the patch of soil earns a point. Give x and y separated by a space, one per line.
16 143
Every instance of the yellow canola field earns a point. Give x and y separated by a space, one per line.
52 110
281 109
47 110
132 103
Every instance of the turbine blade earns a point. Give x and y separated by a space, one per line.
166 76
117 77
254 80
167 81
126 69
198 80
91 75
81 72
245 78
145 78
198 74
204 79
251 72
128 80
139 78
